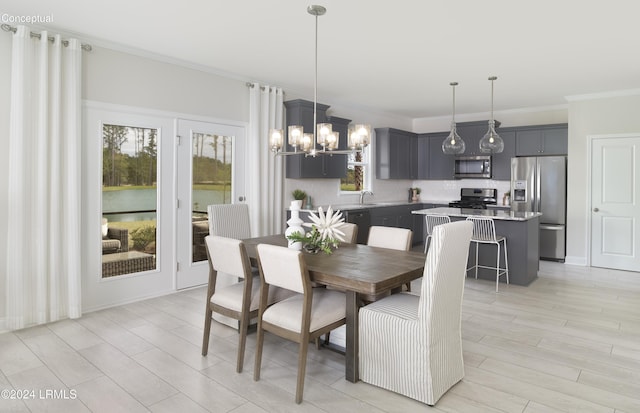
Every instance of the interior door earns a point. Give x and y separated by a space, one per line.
210 171
615 209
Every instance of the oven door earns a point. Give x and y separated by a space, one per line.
472 167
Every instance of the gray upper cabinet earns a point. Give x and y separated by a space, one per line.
471 133
423 156
501 162
542 140
440 164
300 112
396 154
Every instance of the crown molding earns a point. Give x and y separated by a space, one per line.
603 95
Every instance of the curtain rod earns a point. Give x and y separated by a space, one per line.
7 28
251 85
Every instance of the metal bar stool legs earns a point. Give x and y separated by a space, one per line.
484 232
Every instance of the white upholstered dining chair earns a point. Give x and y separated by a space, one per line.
230 221
412 345
304 317
238 301
350 232
392 238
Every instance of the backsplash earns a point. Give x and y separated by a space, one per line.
327 191
445 191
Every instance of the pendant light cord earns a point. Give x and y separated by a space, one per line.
315 91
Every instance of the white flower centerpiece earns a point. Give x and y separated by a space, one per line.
324 234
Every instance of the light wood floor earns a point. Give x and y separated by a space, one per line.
569 342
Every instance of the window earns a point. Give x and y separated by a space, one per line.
358 171
211 183
129 199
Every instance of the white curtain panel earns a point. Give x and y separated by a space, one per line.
265 180
43 246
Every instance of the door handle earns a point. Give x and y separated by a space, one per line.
596 209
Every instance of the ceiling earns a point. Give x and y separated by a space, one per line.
393 57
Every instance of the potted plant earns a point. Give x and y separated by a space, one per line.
506 199
299 195
324 235
416 194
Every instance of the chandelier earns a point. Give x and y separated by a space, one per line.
359 135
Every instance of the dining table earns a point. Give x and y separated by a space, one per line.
358 270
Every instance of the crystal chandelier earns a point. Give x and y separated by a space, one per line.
491 142
359 135
453 144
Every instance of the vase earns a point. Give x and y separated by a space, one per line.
294 224
311 249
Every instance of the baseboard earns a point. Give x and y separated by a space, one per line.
581 261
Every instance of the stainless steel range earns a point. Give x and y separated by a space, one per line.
476 198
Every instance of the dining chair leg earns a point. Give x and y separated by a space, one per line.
302 367
207 330
258 361
242 341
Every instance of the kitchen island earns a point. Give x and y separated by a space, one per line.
522 231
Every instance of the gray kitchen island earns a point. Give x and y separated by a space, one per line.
522 232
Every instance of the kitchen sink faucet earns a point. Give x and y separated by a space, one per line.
362 194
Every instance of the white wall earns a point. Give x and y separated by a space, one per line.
591 117
115 77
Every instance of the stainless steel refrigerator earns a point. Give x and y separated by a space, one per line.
539 184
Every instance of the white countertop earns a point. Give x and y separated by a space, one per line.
490 213
349 207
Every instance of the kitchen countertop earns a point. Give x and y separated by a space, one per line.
366 205
491 213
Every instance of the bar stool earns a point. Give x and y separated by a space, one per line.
430 221
484 232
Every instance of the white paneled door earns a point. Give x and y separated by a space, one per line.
210 171
615 203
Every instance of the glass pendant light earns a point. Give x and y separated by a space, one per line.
453 144
491 142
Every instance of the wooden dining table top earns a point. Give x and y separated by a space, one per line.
354 267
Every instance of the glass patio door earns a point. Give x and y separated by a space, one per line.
210 171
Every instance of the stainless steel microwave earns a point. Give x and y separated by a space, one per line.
472 167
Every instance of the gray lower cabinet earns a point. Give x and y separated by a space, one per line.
399 217
542 140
